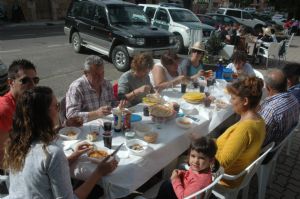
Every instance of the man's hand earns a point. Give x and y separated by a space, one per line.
106 167
104 110
144 89
76 121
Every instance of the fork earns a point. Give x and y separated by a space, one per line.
193 118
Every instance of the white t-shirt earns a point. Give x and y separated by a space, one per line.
246 70
168 76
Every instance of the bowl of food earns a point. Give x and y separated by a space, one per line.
187 108
84 145
184 122
141 129
136 146
69 133
151 137
97 155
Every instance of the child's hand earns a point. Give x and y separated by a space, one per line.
175 174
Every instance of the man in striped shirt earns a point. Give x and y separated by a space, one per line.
280 109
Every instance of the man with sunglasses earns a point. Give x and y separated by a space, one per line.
21 77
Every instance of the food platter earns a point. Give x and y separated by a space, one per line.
69 133
152 99
194 97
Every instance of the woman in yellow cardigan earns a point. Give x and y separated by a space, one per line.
241 143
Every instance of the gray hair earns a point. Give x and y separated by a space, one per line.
276 80
92 60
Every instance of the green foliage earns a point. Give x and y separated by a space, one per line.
214 44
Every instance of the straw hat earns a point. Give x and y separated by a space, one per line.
267 31
198 46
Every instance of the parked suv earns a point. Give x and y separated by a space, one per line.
243 17
116 29
182 22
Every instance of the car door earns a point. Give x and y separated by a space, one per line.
161 19
85 20
150 11
101 32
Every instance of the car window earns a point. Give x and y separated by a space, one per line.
75 9
150 12
246 15
179 15
88 11
162 15
234 13
220 11
120 14
100 15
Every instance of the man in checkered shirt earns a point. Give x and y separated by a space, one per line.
280 109
90 96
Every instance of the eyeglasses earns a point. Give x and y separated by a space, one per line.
26 80
198 52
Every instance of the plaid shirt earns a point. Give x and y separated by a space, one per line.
81 98
281 113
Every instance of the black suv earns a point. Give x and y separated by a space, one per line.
116 29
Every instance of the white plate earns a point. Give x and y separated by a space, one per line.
184 122
132 142
65 131
98 160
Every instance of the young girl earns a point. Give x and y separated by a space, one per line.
184 183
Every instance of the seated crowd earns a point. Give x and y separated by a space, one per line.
29 114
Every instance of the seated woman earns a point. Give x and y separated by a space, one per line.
193 67
241 143
239 65
38 168
135 84
167 73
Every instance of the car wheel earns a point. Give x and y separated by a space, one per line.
179 43
120 58
76 42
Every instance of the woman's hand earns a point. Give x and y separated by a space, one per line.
144 89
104 110
79 150
106 167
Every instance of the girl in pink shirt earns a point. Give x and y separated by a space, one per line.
184 183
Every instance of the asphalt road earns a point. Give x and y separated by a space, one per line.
47 47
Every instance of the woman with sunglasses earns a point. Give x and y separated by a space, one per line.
166 74
193 66
38 168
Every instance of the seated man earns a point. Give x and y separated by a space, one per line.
280 109
239 65
292 72
90 96
21 77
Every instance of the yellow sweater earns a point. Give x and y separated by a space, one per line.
239 146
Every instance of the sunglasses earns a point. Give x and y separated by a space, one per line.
26 80
198 52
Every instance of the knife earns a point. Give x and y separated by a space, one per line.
117 149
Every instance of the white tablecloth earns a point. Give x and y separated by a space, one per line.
133 171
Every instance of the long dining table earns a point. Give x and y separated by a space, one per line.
133 171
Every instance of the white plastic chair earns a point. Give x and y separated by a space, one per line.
266 171
271 51
227 51
207 190
228 193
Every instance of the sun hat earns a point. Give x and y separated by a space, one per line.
267 31
198 46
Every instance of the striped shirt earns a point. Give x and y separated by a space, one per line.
295 90
281 113
81 98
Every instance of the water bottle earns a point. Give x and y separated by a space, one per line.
219 72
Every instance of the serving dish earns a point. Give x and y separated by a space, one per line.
136 147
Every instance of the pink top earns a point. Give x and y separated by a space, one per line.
190 183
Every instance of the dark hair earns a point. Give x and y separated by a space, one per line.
31 123
20 64
272 31
208 147
142 62
276 80
249 87
168 58
291 70
239 56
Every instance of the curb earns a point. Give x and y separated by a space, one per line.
24 24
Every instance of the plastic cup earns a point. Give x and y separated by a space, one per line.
183 88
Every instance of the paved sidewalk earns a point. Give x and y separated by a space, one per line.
285 183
